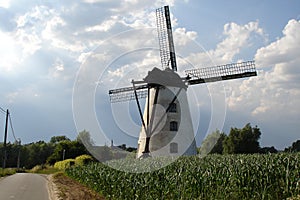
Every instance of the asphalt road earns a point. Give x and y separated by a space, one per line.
24 186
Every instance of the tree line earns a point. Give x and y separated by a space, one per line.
239 141
41 152
57 149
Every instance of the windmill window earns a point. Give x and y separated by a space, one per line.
173 126
173 108
173 147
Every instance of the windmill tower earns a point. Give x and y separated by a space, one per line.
166 121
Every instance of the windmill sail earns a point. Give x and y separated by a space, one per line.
222 72
127 93
165 37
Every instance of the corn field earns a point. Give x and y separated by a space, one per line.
270 176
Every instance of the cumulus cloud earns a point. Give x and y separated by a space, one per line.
23 41
29 42
275 92
283 54
104 26
77 27
182 36
235 38
117 40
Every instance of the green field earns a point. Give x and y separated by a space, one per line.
269 176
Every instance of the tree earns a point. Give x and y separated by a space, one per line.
294 148
56 139
213 143
38 153
243 140
84 137
268 150
125 148
11 154
218 148
66 149
35 153
32 154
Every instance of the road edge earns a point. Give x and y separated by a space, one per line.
52 188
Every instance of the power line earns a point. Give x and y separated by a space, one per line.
12 128
17 141
10 122
2 110
4 143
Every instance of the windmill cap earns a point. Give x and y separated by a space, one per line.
165 77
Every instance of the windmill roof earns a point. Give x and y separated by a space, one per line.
165 77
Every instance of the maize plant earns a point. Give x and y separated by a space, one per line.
268 176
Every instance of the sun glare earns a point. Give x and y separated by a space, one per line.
8 53
5 3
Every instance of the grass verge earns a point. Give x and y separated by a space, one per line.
7 172
43 169
71 189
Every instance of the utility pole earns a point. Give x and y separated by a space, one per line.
5 137
64 152
19 149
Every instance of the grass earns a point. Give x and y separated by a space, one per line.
43 169
7 171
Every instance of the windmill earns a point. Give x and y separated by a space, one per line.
166 121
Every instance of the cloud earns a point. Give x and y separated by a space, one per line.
10 55
104 26
95 1
75 28
182 36
24 39
283 54
235 39
5 3
28 41
282 50
274 93
271 98
57 69
46 42
26 94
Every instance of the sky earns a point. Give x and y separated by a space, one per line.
59 58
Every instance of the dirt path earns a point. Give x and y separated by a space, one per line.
64 188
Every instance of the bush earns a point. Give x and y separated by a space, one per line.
36 168
7 172
62 165
83 160
43 169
